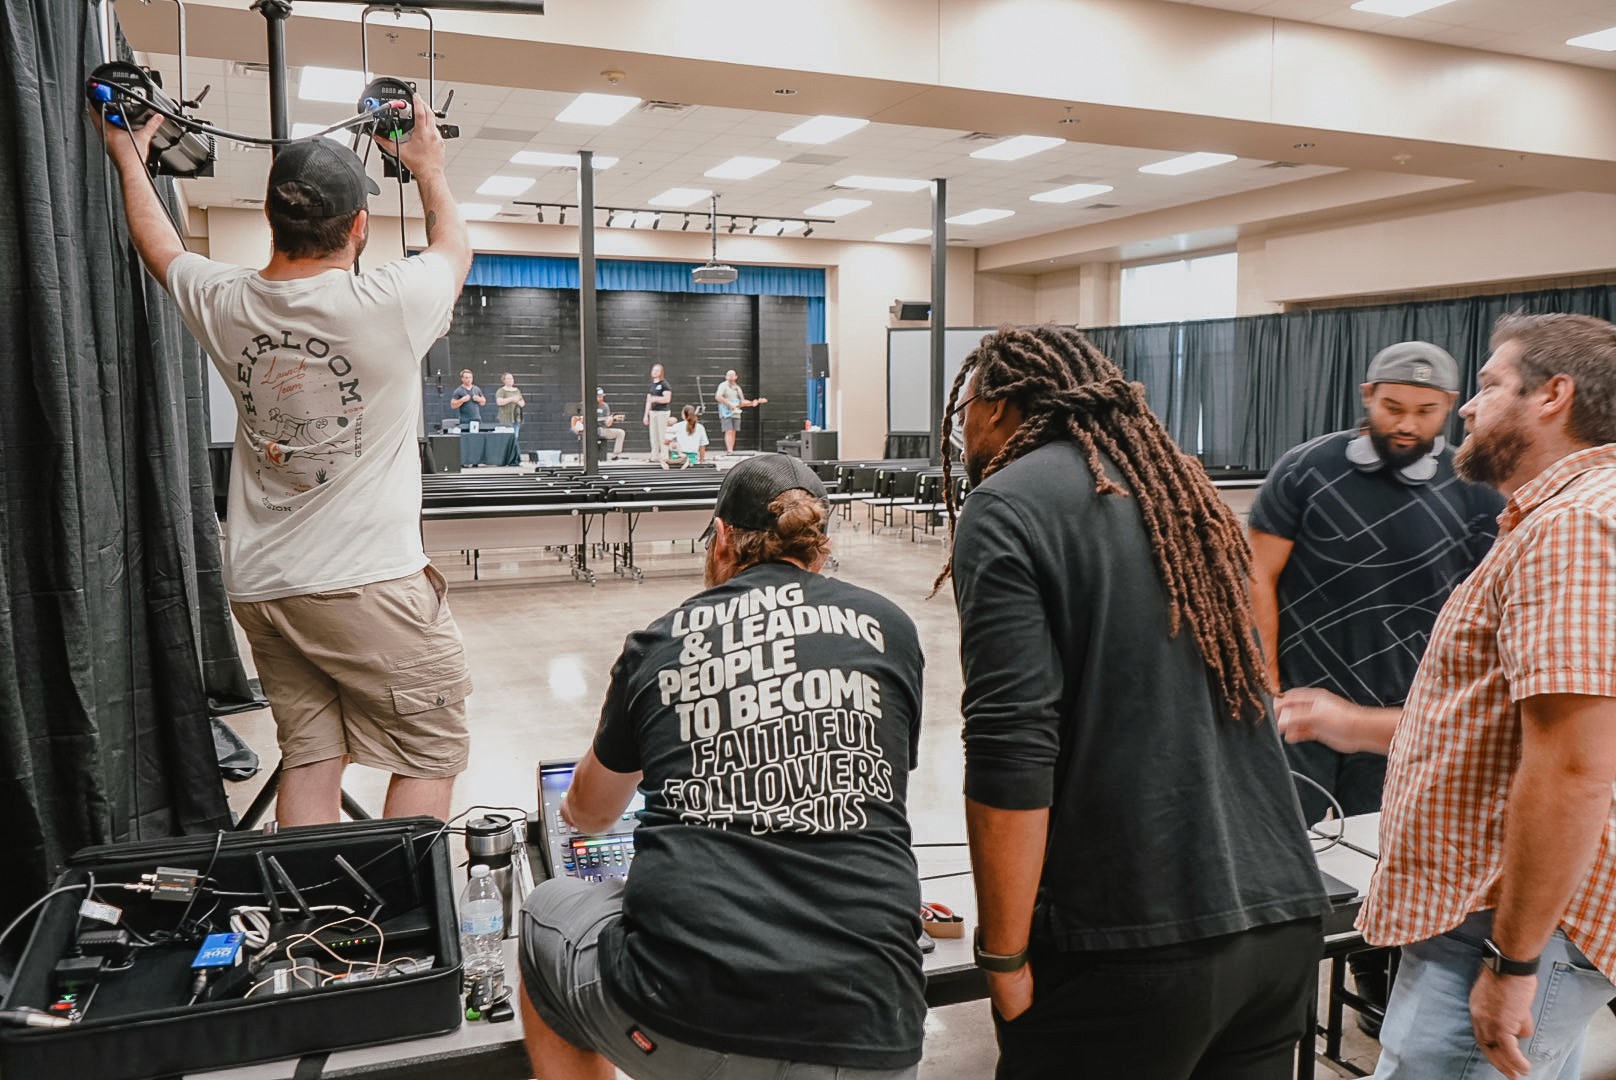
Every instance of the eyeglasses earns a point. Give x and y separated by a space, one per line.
959 406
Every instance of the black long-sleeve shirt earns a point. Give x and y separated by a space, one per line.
1169 820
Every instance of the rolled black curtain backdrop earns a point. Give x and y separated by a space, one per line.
1240 392
113 624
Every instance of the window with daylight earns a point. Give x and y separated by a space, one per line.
1202 288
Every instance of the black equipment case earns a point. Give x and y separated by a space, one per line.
138 1022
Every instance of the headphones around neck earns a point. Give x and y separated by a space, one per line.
1361 453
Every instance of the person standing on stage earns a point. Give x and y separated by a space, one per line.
731 400
467 401
657 399
510 402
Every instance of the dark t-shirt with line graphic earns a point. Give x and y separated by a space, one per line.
773 908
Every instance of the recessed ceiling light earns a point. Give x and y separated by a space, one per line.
742 168
785 91
505 185
904 236
980 217
883 183
478 211
838 207
597 109
1399 8
548 160
822 129
1018 147
1187 163
680 196
1603 40
1303 146
303 131
331 84
1070 193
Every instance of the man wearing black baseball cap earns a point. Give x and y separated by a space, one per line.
1357 539
771 722
353 642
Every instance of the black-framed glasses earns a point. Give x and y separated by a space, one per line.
959 406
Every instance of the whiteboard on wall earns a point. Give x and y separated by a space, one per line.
909 372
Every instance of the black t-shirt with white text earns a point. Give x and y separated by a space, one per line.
773 908
658 388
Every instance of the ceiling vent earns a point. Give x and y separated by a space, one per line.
249 69
980 136
663 107
1281 165
816 159
499 134
1102 206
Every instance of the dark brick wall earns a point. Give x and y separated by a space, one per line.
782 351
533 333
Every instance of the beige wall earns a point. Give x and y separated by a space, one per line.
1535 236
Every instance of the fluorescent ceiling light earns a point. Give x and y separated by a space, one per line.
742 168
883 183
822 129
597 109
1016 148
479 211
980 217
544 159
1399 8
303 131
506 186
904 236
1071 193
680 196
1603 40
331 84
838 207
1186 164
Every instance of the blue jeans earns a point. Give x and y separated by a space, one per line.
1427 1033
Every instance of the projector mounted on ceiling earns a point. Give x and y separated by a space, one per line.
714 272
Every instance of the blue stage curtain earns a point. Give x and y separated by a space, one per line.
550 272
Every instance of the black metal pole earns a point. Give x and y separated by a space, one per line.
588 329
275 13
939 286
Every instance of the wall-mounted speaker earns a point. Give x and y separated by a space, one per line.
911 310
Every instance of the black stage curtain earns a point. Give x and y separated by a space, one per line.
109 549
1240 392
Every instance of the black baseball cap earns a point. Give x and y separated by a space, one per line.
749 488
333 173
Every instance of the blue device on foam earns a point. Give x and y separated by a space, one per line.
219 951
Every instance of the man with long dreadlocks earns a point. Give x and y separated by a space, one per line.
1149 905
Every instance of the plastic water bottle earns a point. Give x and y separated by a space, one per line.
482 926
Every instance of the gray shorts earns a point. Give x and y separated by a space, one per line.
730 423
561 924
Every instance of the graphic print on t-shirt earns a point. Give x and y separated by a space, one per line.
302 410
774 746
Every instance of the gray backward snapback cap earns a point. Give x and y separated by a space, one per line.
332 171
1415 363
749 488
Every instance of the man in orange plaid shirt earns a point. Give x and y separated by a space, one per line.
1498 835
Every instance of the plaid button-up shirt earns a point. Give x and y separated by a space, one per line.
1538 616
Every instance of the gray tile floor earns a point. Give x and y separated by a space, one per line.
541 647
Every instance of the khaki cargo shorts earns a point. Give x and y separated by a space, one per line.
375 672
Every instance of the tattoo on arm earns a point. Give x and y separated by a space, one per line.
431 224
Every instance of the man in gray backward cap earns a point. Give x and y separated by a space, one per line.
1357 539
